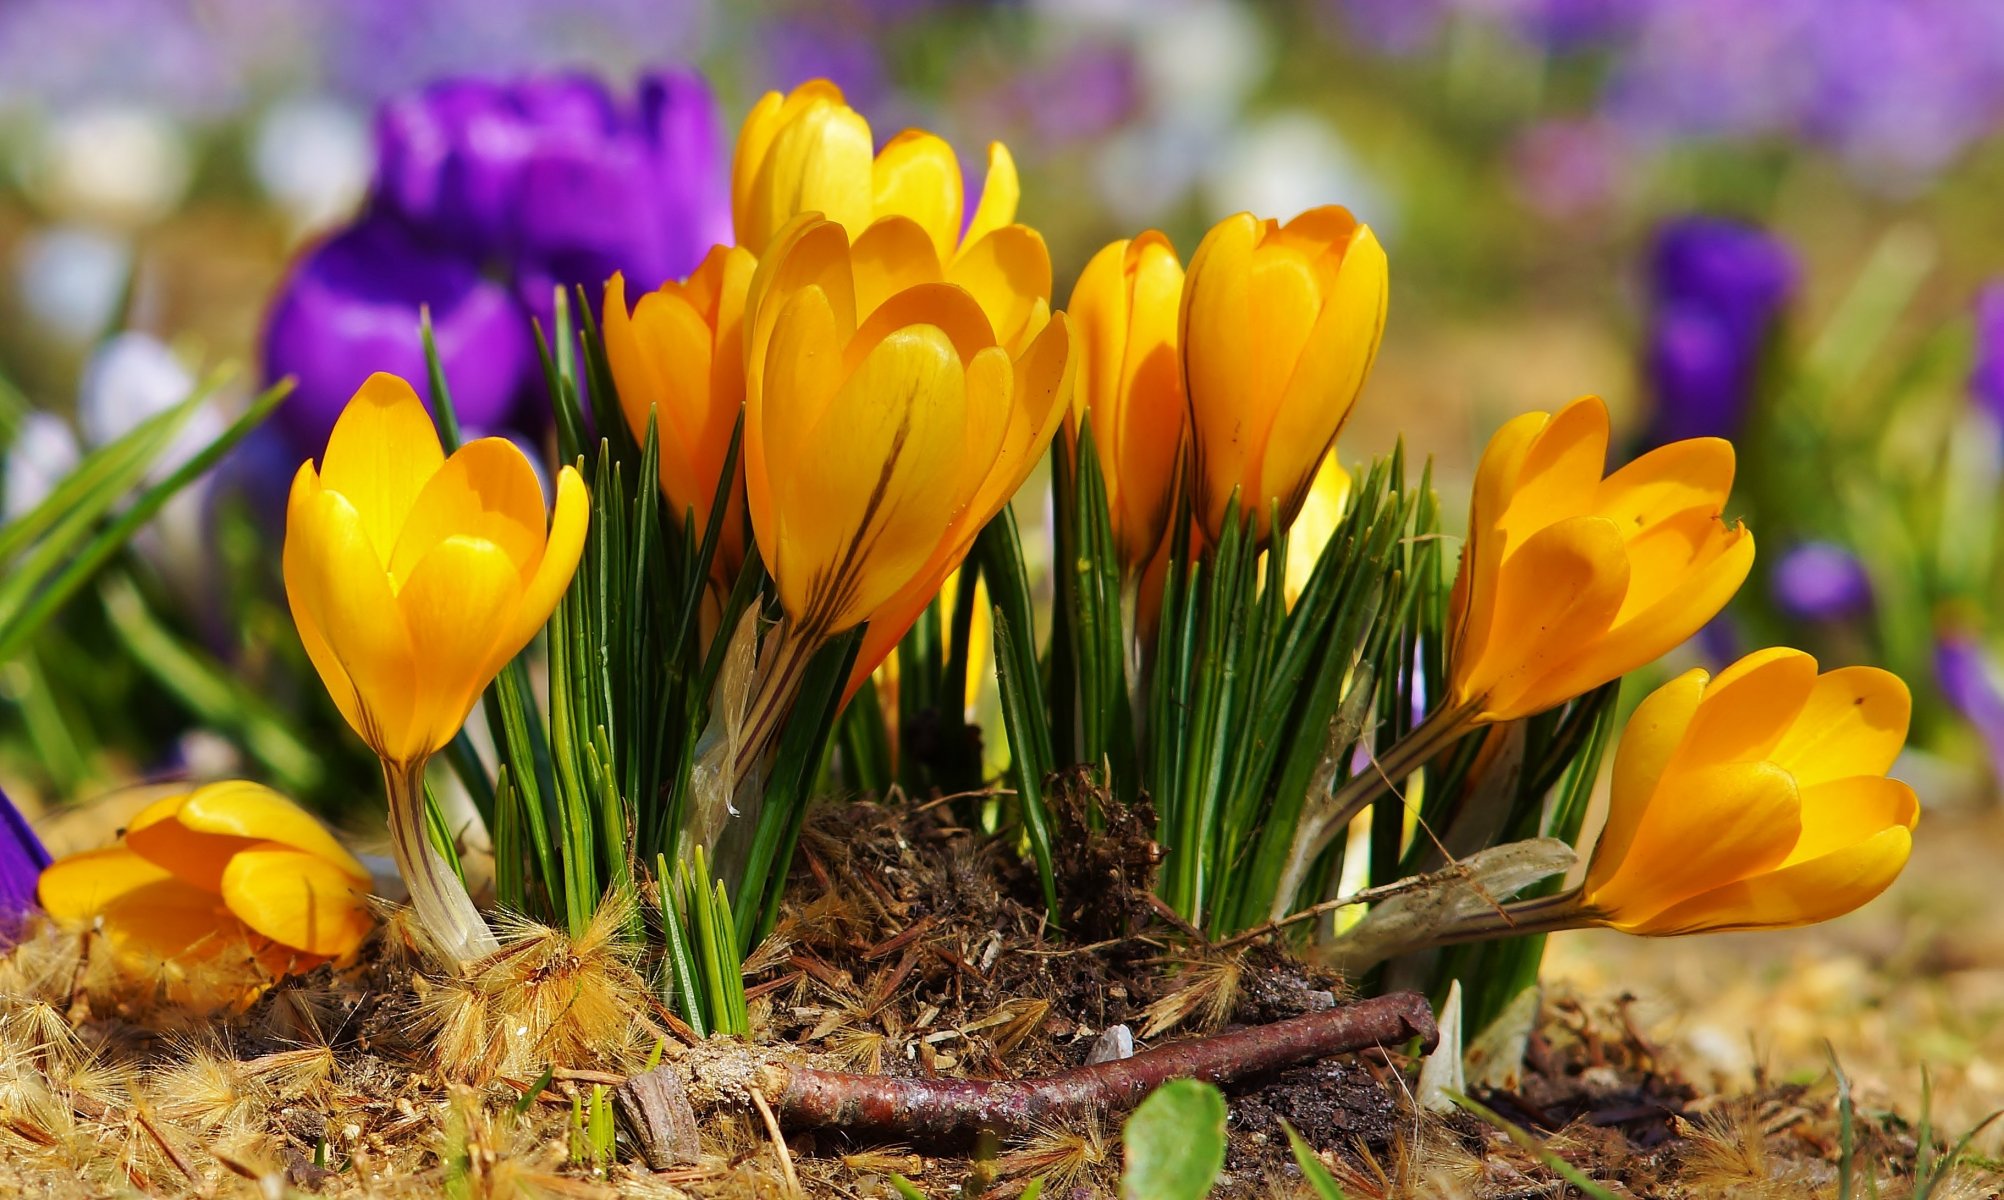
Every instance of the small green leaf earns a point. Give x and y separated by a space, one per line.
1175 1143
906 1188
535 1090
1319 1179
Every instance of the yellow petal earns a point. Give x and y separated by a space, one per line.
892 255
771 114
1846 812
1803 894
1332 367
297 899
1702 829
461 605
1009 273
916 175
1696 473
1000 193
1219 352
542 590
383 450
809 254
1482 553
1559 475
195 835
486 490
863 512
819 161
799 379
1853 723
347 616
1748 708
1558 592
1694 597
143 906
942 305
1648 742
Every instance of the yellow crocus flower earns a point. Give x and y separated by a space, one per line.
1279 326
220 868
1568 579
680 353
1125 308
894 405
807 151
413 579
1754 800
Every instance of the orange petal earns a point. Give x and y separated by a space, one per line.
297 899
383 450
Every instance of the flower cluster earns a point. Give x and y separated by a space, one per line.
850 389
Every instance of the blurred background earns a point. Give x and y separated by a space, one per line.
1770 220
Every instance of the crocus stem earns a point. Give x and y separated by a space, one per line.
1441 729
445 912
1517 918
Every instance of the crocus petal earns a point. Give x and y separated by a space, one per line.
297 899
1749 707
863 517
820 162
1332 367
1845 812
461 605
1703 829
542 590
194 835
1648 742
1560 589
1854 723
142 906
1008 272
1695 473
1802 894
916 175
1560 470
486 490
347 616
893 254
383 450
1001 191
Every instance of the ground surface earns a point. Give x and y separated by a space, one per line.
911 946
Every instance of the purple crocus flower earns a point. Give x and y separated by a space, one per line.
1821 581
21 861
1986 382
350 309
1717 288
1962 671
489 195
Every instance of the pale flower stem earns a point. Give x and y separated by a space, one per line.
1517 918
445 913
1384 775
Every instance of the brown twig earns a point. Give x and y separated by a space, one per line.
911 1109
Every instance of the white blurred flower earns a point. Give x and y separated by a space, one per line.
1201 59
1283 163
312 155
43 453
120 165
70 279
132 377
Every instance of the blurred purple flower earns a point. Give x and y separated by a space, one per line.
1567 169
1717 288
1962 671
1821 581
350 308
1987 380
488 195
21 861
